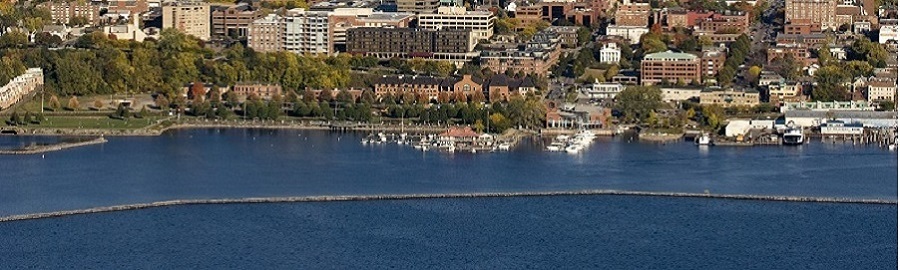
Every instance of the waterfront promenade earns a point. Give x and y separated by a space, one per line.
593 192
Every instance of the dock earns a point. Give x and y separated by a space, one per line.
30 150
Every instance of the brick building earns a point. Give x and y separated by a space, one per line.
265 34
534 57
64 12
671 67
233 21
820 12
264 91
385 43
190 17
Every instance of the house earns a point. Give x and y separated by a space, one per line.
601 90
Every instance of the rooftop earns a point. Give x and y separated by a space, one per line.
669 55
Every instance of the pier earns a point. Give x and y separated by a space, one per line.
30 150
345 198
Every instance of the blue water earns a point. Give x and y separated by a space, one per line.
568 232
214 163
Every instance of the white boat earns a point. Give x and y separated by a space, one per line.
503 146
364 141
703 139
573 149
793 136
556 147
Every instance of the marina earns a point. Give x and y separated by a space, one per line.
457 139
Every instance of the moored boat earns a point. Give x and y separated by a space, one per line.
793 136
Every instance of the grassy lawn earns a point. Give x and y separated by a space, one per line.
95 122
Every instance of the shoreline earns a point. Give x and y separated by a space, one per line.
28 150
348 198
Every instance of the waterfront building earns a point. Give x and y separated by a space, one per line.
737 127
729 97
305 32
190 17
881 90
610 53
820 12
265 34
670 67
21 86
631 33
839 128
64 12
534 57
786 91
601 90
342 19
262 90
809 118
467 86
480 22
384 43
233 21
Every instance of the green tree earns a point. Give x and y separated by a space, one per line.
636 102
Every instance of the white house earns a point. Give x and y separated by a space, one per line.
610 53
632 33
887 33
602 90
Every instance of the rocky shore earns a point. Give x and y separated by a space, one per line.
30 150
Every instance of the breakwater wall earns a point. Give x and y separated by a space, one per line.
340 198
50 148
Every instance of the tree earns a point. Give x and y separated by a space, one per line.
584 35
54 103
122 112
499 123
887 105
98 104
73 103
653 45
636 102
444 97
344 96
417 64
215 96
326 95
162 102
754 72
197 92
726 75
367 97
408 98
830 85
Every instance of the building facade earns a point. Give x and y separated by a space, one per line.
536 56
64 12
190 17
265 34
305 32
264 91
729 97
819 12
631 33
417 6
610 53
670 67
633 14
126 8
342 19
233 21
385 43
480 22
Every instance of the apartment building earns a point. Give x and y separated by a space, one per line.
190 17
670 67
536 56
711 62
384 43
820 12
233 21
342 19
417 6
266 34
305 31
126 8
729 97
633 14
64 12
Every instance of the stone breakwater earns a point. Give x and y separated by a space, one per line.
341 198
30 150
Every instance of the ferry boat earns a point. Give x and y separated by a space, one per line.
793 136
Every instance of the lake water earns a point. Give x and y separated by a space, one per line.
576 231
569 232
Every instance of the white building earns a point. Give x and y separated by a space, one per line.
680 94
837 127
881 91
602 90
130 31
21 86
887 33
480 22
737 127
190 17
610 53
826 106
305 31
631 33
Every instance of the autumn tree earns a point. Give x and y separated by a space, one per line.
73 103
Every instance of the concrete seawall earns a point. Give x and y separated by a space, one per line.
441 196
51 148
